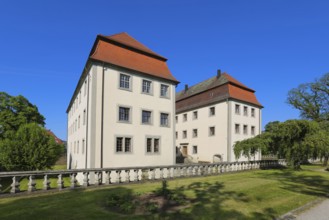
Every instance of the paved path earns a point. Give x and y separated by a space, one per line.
319 212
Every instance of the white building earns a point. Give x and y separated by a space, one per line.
122 111
212 115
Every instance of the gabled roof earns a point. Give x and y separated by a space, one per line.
124 51
223 87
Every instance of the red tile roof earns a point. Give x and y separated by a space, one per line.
124 51
215 89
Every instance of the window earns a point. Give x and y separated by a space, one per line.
84 116
237 128
152 145
185 117
80 97
195 133
245 129
124 81
83 146
146 117
77 147
252 112
79 121
124 114
195 115
164 119
212 111
195 149
237 109
76 125
252 130
146 87
211 131
123 144
176 119
184 134
176 135
164 91
85 88
245 110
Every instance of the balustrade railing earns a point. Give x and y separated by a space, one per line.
107 176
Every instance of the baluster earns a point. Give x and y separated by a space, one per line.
15 185
60 182
31 184
46 182
107 177
161 174
118 180
73 180
99 178
152 174
193 171
127 180
85 179
135 175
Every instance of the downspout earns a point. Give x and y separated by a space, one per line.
87 120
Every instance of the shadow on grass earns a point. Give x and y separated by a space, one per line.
308 183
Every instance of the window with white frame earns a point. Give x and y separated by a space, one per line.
211 111
176 119
195 149
184 117
195 115
252 112
83 146
164 91
124 81
184 134
146 117
124 114
245 129
84 116
123 145
152 145
77 147
237 128
252 130
211 131
79 121
195 133
245 110
176 135
80 97
237 109
146 86
164 119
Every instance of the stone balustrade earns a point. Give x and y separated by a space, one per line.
107 176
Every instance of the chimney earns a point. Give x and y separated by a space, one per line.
186 87
219 73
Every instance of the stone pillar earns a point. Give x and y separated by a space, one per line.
108 177
31 184
60 182
73 180
85 179
46 182
98 178
118 180
15 185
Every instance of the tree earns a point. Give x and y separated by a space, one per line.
289 140
30 148
312 99
15 111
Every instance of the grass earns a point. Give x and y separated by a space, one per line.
261 194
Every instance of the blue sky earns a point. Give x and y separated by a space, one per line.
271 46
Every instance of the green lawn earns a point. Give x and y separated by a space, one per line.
261 194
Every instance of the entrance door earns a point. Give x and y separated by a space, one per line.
184 151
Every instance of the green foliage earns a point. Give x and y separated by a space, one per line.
312 99
15 111
30 148
294 140
122 203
